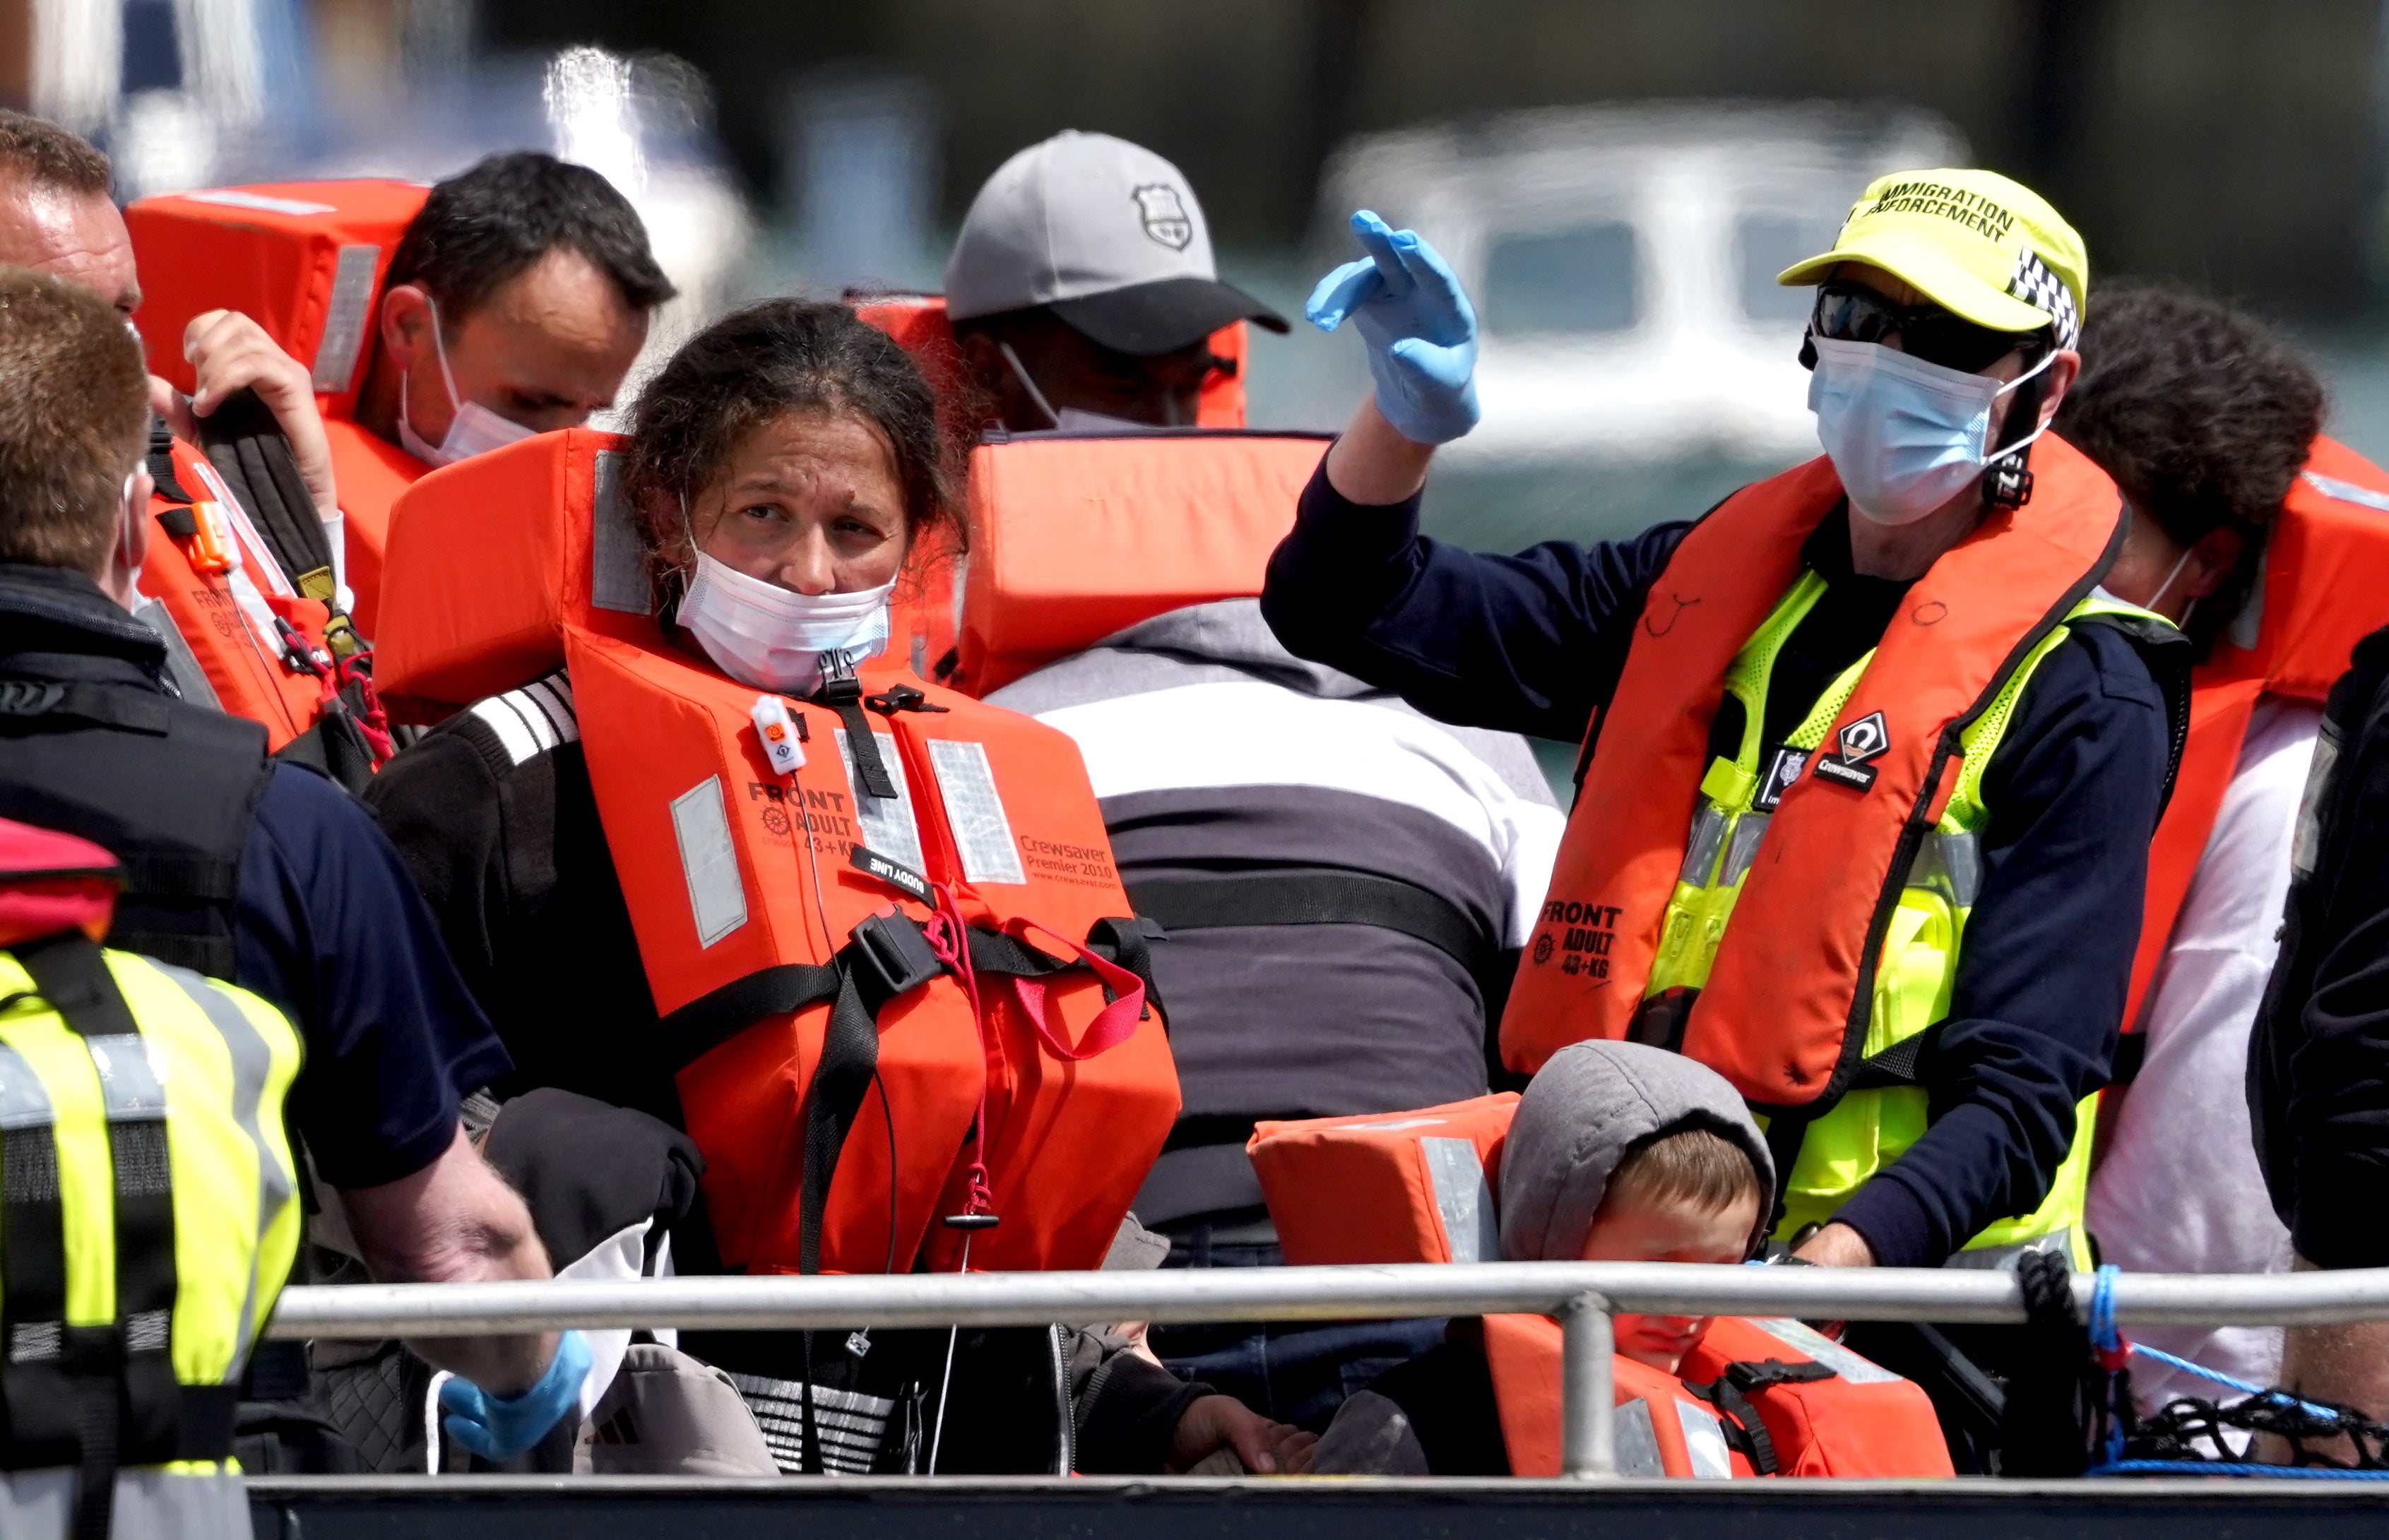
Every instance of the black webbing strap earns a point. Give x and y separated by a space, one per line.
1745 1429
2131 1052
1120 941
121 1376
1317 898
248 451
886 957
161 464
845 697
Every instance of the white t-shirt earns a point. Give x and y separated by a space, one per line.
2179 1190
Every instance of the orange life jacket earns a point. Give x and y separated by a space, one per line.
2314 605
1073 539
305 261
925 621
781 919
259 642
1752 1397
1786 1005
371 473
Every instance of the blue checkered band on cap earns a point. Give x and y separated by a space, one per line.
2045 291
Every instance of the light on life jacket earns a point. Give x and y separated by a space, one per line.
859 962
1419 1187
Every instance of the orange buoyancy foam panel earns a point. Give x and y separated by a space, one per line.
2293 639
1864 1420
731 869
228 601
304 260
1403 1186
1660 1427
486 559
1073 539
1081 1087
372 474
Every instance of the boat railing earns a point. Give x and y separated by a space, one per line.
1581 1295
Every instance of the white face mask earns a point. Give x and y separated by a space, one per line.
1069 419
1905 436
474 429
775 638
2157 598
131 511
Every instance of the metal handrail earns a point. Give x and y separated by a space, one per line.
1581 1295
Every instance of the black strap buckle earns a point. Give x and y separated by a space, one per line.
900 697
890 956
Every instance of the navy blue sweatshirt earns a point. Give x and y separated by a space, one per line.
1534 643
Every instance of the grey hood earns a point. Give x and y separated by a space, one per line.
1580 1114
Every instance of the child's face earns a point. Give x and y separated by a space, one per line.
1668 1232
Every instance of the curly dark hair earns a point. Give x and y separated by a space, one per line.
2202 414
758 363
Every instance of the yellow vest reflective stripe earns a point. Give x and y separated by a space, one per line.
148 1213
1917 969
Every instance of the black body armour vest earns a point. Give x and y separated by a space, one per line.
91 744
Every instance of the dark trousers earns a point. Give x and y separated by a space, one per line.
1297 1372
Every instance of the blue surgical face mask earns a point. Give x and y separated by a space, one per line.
1904 435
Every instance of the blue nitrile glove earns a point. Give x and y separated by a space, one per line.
1420 329
499 1428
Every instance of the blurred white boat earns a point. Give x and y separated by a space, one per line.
1623 262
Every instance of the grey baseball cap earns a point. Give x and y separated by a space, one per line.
1106 232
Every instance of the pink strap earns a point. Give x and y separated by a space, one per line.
1113 1025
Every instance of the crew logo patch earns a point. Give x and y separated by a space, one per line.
1163 211
1864 739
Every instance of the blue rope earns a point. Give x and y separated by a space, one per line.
2106 1338
2102 1309
2234 1467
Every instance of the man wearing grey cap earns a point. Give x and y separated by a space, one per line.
1082 290
1085 298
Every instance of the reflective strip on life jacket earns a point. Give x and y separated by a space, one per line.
1789 997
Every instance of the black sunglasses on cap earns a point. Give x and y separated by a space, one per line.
1852 312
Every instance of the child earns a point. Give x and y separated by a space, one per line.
1617 1152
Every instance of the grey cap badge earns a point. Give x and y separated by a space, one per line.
1166 219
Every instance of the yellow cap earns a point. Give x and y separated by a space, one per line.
1975 243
